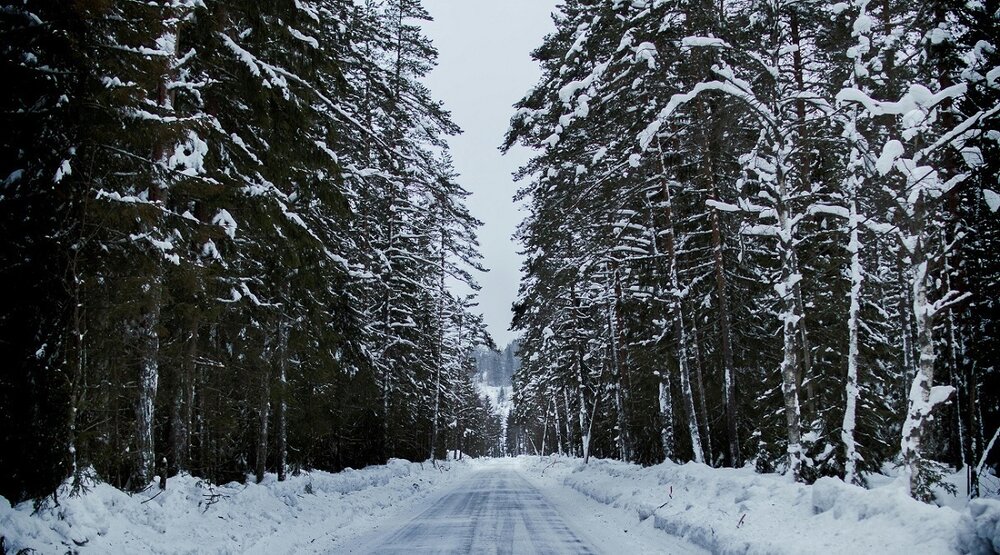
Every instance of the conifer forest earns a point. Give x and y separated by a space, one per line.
756 233
229 229
765 231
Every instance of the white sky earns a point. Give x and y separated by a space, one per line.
485 67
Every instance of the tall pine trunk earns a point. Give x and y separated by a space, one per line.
581 378
149 375
677 295
281 413
722 297
569 422
725 333
439 359
263 415
545 427
614 332
78 365
665 405
181 414
558 426
584 416
806 378
700 383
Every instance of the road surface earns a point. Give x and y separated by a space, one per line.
497 511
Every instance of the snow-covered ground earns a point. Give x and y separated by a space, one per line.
310 513
605 506
740 511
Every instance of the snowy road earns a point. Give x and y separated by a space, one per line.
497 510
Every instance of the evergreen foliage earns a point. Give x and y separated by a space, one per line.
755 234
230 235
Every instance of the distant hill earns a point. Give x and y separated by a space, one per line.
494 371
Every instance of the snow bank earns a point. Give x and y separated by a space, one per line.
981 527
739 511
309 512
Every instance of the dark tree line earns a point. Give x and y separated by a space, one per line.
760 231
229 230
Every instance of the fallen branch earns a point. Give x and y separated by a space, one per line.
212 497
670 494
550 465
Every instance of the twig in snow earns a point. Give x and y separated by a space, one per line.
740 523
670 494
211 498
664 504
550 465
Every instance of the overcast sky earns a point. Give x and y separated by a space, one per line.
484 68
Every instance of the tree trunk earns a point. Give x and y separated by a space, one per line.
700 383
545 428
791 318
581 377
558 426
805 166
975 443
437 411
680 326
722 295
906 327
569 422
439 363
149 375
960 365
923 396
728 367
263 413
584 419
666 407
624 447
790 385
149 322
853 391
686 390
78 366
281 414
590 427
387 339
180 418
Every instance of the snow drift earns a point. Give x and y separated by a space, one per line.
738 511
309 512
